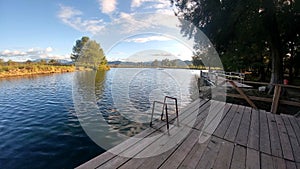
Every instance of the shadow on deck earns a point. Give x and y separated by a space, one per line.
242 138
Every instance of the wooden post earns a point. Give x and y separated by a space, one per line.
276 97
243 94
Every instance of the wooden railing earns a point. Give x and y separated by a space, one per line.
275 100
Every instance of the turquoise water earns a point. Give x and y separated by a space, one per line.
39 127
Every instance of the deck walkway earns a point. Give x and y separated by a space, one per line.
244 138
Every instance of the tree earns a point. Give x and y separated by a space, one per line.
197 60
155 63
91 55
78 47
244 31
1 61
53 62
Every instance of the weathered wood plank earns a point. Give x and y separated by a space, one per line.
162 142
274 136
243 131
224 157
276 97
284 139
252 159
178 156
114 162
243 94
293 138
223 126
194 156
264 140
234 125
101 159
295 127
238 158
253 140
266 161
290 165
210 154
278 163
212 120
97 161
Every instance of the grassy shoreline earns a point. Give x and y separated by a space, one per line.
33 69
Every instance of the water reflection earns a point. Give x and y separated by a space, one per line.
116 104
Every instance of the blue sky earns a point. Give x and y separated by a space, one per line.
32 29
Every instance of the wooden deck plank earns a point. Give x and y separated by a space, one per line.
284 139
210 154
234 125
127 145
293 138
238 158
212 120
253 140
178 156
290 165
243 131
97 161
278 163
144 145
157 145
114 163
264 139
252 159
295 127
194 156
274 136
157 161
248 139
224 157
266 161
225 123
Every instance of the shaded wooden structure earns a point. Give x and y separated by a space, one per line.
237 82
244 138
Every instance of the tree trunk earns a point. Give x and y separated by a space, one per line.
277 66
262 72
271 26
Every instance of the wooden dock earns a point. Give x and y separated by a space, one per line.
244 138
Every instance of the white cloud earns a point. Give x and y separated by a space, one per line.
31 54
49 49
67 12
73 18
147 39
155 4
108 6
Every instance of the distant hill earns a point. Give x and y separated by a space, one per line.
157 63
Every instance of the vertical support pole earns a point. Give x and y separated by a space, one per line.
276 97
152 113
177 112
167 118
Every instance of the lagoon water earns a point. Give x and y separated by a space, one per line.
44 119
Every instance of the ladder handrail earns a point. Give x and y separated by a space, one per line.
165 108
176 105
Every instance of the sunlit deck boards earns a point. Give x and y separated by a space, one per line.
244 138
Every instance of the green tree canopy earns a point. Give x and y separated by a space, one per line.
88 53
245 32
78 47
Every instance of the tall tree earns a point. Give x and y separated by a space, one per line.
88 53
78 47
243 31
92 54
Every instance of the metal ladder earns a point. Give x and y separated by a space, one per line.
165 108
